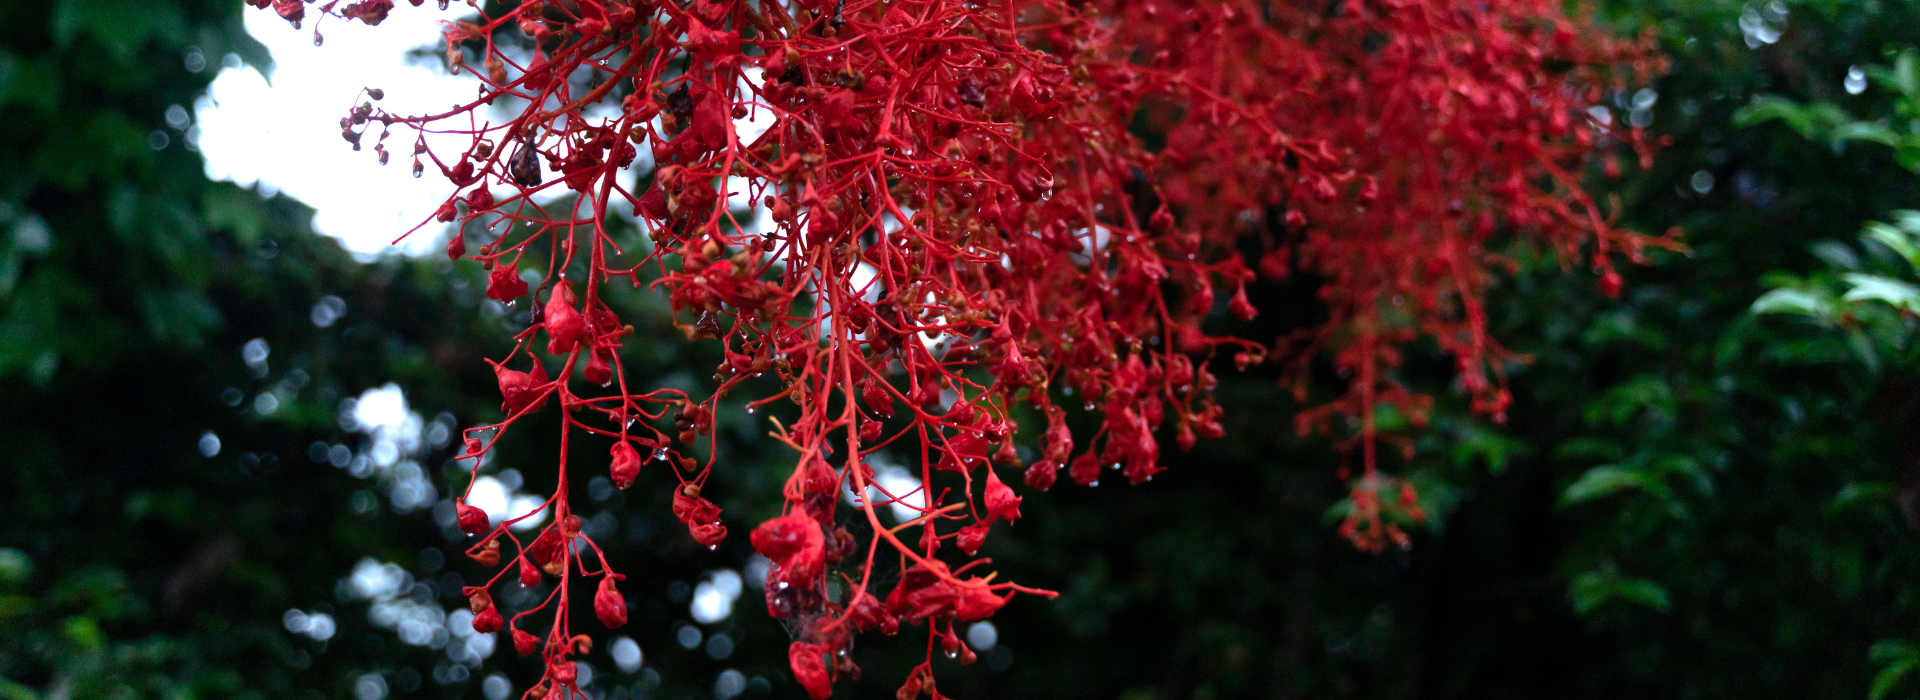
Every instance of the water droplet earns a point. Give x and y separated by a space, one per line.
296 24
1091 484
1088 406
952 654
1856 81
749 410
442 4
713 547
317 39
660 454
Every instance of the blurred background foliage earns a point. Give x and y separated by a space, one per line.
1697 496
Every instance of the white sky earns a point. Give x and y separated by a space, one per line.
285 136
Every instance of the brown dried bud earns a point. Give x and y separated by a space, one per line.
489 554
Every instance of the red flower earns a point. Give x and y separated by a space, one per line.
692 509
521 390
1041 474
548 547
810 668
794 542
1001 503
608 604
597 370
504 283
488 620
473 521
971 538
921 593
709 534
524 642
563 672
372 12
626 464
977 603
565 326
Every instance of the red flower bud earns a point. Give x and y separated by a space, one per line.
529 574
565 326
563 672
971 538
521 390
504 283
1610 283
692 509
473 521
608 604
1001 503
626 464
710 534
597 370
1085 470
478 600
524 642
794 542
810 668
1240 306
488 620
1040 475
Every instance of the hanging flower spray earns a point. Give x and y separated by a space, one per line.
966 219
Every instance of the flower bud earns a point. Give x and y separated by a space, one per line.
626 464
488 620
473 521
478 600
609 605
1001 503
529 574
565 326
810 669
524 642
489 554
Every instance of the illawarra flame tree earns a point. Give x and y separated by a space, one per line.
965 218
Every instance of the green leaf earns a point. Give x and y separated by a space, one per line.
1875 288
1900 657
15 567
1592 589
1793 301
1866 131
1814 121
1857 494
1602 481
1903 241
1902 77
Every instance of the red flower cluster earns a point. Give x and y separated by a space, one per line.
980 206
